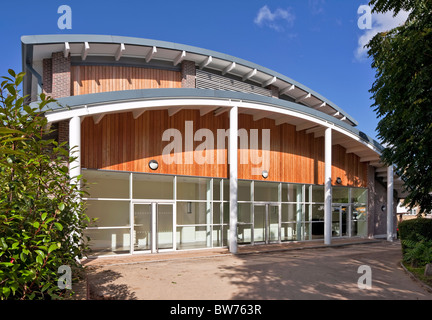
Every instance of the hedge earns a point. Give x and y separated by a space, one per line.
411 229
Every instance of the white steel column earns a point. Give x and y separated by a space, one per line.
131 215
233 134
75 147
174 221
327 187
154 215
390 188
209 215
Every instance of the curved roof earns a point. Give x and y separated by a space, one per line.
39 47
97 105
136 101
305 108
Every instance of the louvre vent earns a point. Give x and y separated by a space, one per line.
207 80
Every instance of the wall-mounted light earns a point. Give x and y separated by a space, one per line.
265 174
338 180
189 207
153 164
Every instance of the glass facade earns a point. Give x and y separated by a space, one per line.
139 212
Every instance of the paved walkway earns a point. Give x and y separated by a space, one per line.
288 271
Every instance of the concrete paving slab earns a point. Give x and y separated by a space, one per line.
312 272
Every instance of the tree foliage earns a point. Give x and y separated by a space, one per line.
41 219
402 93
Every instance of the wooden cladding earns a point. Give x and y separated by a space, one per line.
120 142
94 79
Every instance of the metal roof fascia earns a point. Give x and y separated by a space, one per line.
58 38
139 94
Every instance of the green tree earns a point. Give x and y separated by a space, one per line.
402 93
41 217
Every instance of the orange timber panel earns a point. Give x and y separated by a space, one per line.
119 142
94 79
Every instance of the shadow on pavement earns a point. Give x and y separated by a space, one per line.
323 274
100 286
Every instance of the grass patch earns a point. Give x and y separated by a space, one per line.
418 272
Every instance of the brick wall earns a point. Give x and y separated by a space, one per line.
63 131
47 77
377 198
188 74
371 200
57 84
56 76
61 78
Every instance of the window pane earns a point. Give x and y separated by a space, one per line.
193 237
108 213
193 213
266 191
217 236
226 213
307 193
193 188
226 190
317 229
217 213
244 190
288 212
284 195
308 231
317 212
317 193
259 223
317 221
308 212
359 195
359 212
150 186
104 184
359 228
164 226
244 233
295 193
108 241
273 223
217 189
142 227
340 195
289 231
244 212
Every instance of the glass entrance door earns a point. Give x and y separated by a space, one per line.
266 223
259 223
340 220
152 227
142 227
273 223
165 228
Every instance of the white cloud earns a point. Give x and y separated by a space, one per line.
273 19
316 6
380 23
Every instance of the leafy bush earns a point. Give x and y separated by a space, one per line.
416 240
418 253
41 216
411 229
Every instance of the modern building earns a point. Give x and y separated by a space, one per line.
187 148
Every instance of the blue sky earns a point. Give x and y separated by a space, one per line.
314 42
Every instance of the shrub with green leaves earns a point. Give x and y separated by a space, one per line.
42 217
418 253
416 241
415 230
